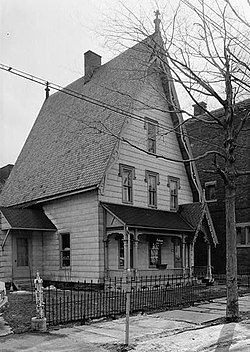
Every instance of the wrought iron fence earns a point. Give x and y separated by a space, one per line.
84 302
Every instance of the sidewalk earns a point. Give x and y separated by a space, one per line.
174 331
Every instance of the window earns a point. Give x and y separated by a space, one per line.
177 252
121 254
128 175
152 179
210 191
174 185
65 250
151 127
155 252
243 235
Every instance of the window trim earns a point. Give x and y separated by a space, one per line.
63 250
148 174
177 180
122 168
207 184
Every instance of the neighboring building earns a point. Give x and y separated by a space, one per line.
88 196
4 174
204 137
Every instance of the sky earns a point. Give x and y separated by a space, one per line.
47 39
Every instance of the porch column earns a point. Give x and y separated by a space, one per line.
191 259
125 241
209 267
106 257
183 255
135 259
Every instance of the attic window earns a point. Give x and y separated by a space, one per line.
151 126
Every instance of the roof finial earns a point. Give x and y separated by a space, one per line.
47 90
157 21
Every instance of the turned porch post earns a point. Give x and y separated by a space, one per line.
106 257
209 266
135 253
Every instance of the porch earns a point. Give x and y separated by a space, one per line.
149 242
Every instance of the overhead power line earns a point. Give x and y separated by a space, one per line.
93 101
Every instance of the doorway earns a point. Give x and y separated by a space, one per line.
21 255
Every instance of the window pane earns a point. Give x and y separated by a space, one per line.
65 241
248 234
238 233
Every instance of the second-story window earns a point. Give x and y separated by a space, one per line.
151 127
174 185
152 179
243 235
127 173
210 191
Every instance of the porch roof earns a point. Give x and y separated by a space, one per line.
149 218
27 219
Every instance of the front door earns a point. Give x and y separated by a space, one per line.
21 255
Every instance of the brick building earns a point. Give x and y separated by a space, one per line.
210 137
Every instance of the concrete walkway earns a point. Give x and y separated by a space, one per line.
177 330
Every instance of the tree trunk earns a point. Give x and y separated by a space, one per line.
232 312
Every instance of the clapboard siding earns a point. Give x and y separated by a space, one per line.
77 215
37 253
167 145
6 258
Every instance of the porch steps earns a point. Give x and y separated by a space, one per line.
23 285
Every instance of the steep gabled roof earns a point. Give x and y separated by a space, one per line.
72 139
195 214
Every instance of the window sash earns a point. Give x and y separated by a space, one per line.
127 185
173 194
152 190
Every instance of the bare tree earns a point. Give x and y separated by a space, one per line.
203 48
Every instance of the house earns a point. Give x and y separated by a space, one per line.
4 174
204 137
100 185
